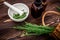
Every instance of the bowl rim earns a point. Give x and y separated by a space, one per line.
18 20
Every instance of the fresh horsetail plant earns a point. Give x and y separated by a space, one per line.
33 29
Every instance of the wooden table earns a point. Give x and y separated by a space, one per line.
12 34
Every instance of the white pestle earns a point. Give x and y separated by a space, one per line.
13 8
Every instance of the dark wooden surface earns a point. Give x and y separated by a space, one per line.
12 34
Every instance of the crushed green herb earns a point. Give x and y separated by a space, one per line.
17 16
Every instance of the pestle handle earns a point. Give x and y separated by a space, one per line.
13 8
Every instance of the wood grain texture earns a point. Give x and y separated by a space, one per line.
11 34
